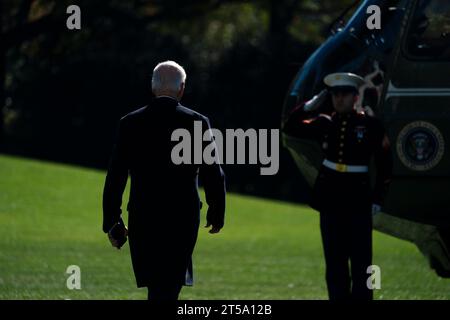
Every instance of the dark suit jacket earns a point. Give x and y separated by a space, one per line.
164 205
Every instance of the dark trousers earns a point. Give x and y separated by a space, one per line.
347 237
164 292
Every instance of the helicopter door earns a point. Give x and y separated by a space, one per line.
417 100
416 112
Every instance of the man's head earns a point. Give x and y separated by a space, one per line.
168 79
344 90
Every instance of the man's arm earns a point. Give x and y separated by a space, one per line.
305 122
383 163
213 180
116 180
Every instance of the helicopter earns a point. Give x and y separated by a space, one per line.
406 67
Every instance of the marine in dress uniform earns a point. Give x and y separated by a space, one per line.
342 192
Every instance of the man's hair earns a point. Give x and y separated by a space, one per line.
168 77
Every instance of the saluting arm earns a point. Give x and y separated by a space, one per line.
304 121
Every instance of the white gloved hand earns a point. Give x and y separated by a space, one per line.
316 102
375 209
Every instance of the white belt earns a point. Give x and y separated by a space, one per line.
344 167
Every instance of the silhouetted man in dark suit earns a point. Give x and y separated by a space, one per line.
164 205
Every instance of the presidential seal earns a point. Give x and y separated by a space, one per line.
420 146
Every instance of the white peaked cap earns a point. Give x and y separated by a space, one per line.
341 79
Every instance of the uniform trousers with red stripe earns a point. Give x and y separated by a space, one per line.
344 202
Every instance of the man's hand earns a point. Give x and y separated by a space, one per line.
113 241
118 242
214 229
316 102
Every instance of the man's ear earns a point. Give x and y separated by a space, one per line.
181 92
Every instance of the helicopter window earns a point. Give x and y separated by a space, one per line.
429 33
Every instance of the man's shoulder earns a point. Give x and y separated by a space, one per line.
187 112
371 121
364 116
134 114
180 111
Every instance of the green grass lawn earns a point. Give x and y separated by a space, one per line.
50 218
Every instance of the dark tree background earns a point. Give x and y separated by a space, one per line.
63 91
